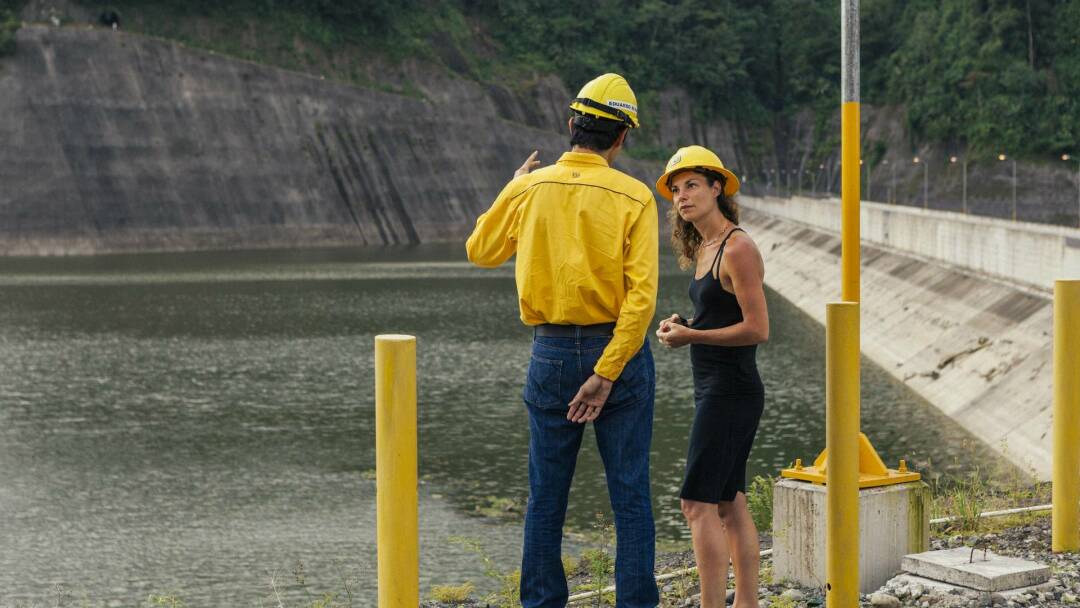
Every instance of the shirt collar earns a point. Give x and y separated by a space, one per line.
582 158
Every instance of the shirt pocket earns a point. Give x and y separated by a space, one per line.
543 382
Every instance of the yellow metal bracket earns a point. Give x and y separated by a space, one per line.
872 470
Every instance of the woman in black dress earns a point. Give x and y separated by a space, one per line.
730 320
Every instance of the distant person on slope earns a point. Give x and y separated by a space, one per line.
730 320
586 241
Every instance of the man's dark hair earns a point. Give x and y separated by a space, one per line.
594 133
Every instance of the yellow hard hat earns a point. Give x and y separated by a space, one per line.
608 96
696 157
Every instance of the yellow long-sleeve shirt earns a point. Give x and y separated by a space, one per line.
586 237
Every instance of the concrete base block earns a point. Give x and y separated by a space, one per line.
985 598
894 521
976 570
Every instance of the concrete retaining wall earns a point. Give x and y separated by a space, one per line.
969 331
1030 255
115 142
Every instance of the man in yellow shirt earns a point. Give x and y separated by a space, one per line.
585 237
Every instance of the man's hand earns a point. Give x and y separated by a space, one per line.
529 164
590 398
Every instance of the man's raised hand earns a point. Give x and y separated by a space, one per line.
527 166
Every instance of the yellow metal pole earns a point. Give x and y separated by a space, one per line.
842 443
849 202
849 151
1065 534
395 471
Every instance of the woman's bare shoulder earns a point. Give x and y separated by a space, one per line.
740 244
742 250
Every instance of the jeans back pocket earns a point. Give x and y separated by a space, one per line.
634 383
543 382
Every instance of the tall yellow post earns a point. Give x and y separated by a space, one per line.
1065 534
395 471
842 442
849 202
849 152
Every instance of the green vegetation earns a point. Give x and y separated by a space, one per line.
8 26
759 499
507 594
452 594
165 601
989 75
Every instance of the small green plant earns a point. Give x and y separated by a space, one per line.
765 576
967 500
570 565
328 600
782 602
684 586
9 24
508 594
500 508
452 594
167 601
598 562
759 498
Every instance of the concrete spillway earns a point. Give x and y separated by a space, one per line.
958 308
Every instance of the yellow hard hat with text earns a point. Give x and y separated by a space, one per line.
608 96
696 157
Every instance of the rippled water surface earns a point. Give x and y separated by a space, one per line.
199 424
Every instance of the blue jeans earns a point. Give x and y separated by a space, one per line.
557 369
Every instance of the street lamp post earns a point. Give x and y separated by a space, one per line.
869 174
893 195
953 159
1067 157
889 194
1003 157
925 182
866 195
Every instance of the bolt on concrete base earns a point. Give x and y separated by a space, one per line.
976 569
894 521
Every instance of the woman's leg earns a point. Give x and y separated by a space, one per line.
710 551
742 538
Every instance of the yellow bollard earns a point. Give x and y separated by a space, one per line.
1066 489
842 442
395 471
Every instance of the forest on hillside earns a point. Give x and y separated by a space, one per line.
979 75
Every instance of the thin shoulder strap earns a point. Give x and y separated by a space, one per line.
715 269
733 231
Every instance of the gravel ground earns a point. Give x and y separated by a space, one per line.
1029 539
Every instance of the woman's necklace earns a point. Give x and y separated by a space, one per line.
715 240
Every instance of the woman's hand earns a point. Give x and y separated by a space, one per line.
664 323
673 334
527 166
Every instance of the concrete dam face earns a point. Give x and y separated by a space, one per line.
118 142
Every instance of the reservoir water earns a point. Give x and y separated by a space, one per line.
202 425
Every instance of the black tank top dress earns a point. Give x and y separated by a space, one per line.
728 396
